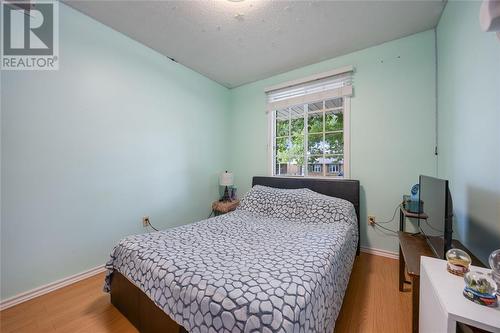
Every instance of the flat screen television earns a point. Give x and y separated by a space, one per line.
438 206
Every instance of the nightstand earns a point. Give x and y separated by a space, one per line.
442 305
223 207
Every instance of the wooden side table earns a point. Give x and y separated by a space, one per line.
223 207
411 248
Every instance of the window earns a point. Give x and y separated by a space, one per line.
333 168
311 138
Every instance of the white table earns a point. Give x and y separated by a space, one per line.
442 304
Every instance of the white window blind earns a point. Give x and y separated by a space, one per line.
321 87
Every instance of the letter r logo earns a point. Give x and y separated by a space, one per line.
28 31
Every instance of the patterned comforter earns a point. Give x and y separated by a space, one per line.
279 263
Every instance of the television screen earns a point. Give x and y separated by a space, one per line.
437 228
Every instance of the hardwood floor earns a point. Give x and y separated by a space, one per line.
372 304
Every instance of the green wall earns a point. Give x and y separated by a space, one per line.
392 125
117 133
469 119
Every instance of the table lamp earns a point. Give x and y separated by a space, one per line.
226 179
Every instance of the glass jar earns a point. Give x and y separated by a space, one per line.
480 288
480 283
494 261
458 262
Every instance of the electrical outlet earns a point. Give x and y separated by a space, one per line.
145 221
371 219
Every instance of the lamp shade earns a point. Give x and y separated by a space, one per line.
226 179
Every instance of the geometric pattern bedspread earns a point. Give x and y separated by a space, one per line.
279 263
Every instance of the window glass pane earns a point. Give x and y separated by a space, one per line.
317 106
315 165
334 121
334 166
282 123
296 148
315 144
315 159
289 169
335 143
298 126
290 150
282 114
315 123
282 128
282 145
334 103
281 169
295 169
297 111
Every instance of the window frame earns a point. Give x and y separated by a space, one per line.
347 142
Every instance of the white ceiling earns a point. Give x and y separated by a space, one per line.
236 42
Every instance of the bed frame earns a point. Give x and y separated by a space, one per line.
141 311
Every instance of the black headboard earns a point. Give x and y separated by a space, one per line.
346 189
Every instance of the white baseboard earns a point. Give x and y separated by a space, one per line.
379 252
30 294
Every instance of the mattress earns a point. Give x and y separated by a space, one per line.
280 263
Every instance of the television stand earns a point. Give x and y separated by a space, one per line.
404 214
411 248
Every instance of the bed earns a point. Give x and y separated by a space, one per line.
280 263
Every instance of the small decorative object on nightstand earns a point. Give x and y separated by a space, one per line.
458 261
494 261
226 179
222 207
480 288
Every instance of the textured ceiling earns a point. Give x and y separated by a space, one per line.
236 42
